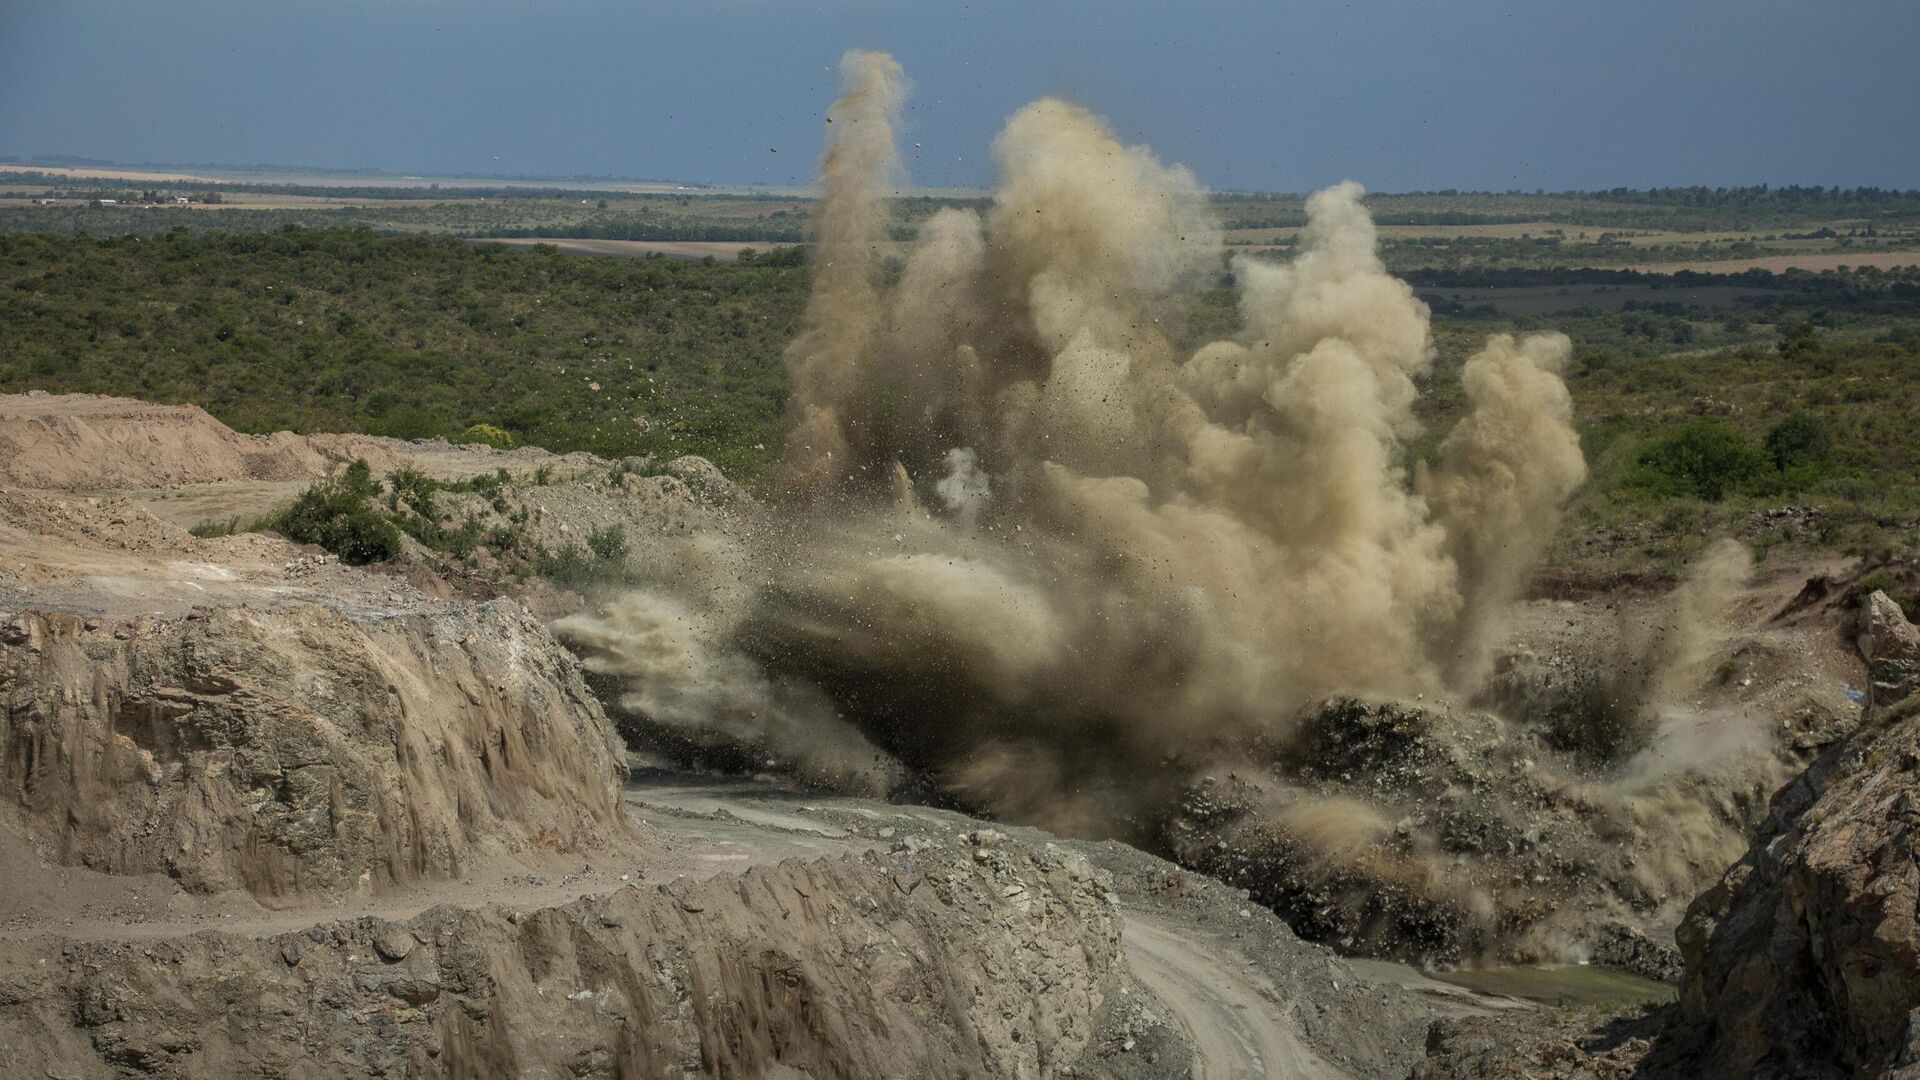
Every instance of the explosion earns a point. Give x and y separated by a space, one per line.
1028 551
1023 528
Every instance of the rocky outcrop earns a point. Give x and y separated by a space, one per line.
1434 833
900 964
301 749
1891 646
1805 959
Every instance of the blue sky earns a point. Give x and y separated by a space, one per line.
1270 96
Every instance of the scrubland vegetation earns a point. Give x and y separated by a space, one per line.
411 337
1702 400
1697 422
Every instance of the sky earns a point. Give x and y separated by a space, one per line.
1274 95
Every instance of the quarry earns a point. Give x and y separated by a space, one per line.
1083 693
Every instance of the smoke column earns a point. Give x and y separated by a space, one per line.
850 226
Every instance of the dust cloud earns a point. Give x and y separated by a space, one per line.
1028 550
1032 554
1033 547
1097 533
1663 657
851 226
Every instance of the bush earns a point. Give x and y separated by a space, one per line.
1884 581
1799 343
568 566
1799 440
1706 459
608 544
496 437
334 514
358 478
463 540
416 489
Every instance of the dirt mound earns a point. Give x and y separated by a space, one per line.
107 523
1805 958
84 442
301 749
901 964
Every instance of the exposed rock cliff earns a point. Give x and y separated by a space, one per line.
1805 959
301 748
883 965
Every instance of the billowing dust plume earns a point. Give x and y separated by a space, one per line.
851 226
1628 704
1036 549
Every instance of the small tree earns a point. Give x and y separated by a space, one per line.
1800 343
358 479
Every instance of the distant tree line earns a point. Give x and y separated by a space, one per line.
657 231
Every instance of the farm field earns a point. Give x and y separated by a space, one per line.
1715 231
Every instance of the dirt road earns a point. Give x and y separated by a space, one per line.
1235 1020
1224 998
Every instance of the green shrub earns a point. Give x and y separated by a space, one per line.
1799 343
416 489
568 566
1883 581
1799 440
358 479
334 513
496 437
1705 459
463 540
608 544
486 485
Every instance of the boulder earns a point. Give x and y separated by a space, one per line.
1891 646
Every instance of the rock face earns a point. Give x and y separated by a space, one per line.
883 965
1435 833
1891 646
301 749
1805 959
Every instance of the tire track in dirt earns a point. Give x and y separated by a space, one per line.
1233 1018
